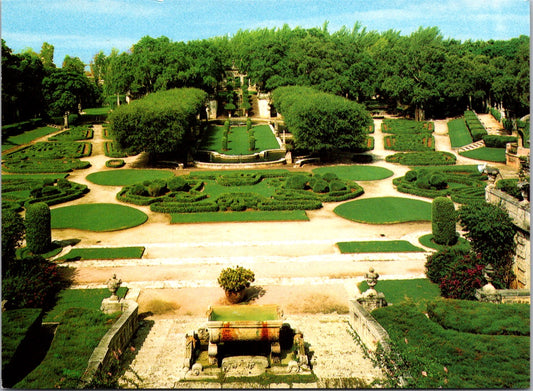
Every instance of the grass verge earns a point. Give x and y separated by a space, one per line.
27 137
103 253
227 217
378 246
496 155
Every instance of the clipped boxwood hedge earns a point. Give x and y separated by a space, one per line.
426 158
38 228
496 141
115 163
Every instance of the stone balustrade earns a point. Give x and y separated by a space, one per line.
115 340
366 327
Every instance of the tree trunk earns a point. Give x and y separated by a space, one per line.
419 113
118 99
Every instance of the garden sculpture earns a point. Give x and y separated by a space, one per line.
113 284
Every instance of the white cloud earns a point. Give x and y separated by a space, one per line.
145 8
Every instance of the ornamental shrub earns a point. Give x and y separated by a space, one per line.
465 276
496 141
337 186
443 221
297 182
157 188
320 186
235 279
251 140
422 182
441 263
38 228
510 186
12 237
177 183
225 143
248 124
330 176
63 183
411 176
438 181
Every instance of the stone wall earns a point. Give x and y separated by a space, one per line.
117 338
520 213
368 328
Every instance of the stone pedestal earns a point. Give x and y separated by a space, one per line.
488 294
110 306
372 300
244 365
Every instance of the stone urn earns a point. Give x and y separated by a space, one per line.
235 297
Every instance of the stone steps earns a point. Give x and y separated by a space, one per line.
469 147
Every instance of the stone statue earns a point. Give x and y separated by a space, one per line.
371 278
113 284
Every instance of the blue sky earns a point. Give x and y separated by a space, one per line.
83 27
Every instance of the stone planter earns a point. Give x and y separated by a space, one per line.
235 297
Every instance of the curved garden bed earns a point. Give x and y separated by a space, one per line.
356 172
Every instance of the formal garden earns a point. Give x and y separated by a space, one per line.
82 181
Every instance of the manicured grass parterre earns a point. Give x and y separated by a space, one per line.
427 240
377 246
488 154
250 216
27 137
103 253
97 110
97 217
356 172
459 133
238 143
385 210
426 158
127 177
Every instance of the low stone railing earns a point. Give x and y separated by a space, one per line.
117 338
367 328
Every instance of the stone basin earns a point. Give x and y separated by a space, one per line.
244 323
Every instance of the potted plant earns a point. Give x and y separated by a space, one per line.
234 281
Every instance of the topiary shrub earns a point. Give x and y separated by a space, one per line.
251 140
410 176
235 279
337 186
297 182
225 143
438 181
330 176
443 221
38 228
138 189
115 163
320 186
62 183
157 188
177 183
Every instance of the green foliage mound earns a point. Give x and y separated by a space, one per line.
463 184
481 318
322 122
510 186
495 141
158 123
427 355
443 219
38 228
426 158
115 163
476 128
234 279
441 263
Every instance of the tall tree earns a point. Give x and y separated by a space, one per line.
73 64
47 55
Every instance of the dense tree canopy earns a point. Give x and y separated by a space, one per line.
159 123
321 122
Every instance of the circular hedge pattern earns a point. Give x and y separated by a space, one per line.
385 210
356 172
126 177
97 217
115 163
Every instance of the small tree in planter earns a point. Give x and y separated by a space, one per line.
234 281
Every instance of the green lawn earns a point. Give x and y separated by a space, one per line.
459 133
34 176
238 143
385 210
97 217
26 137
79 298
103 253
250 216
97 110
496 155
417 290
378 246
127 177
356 172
